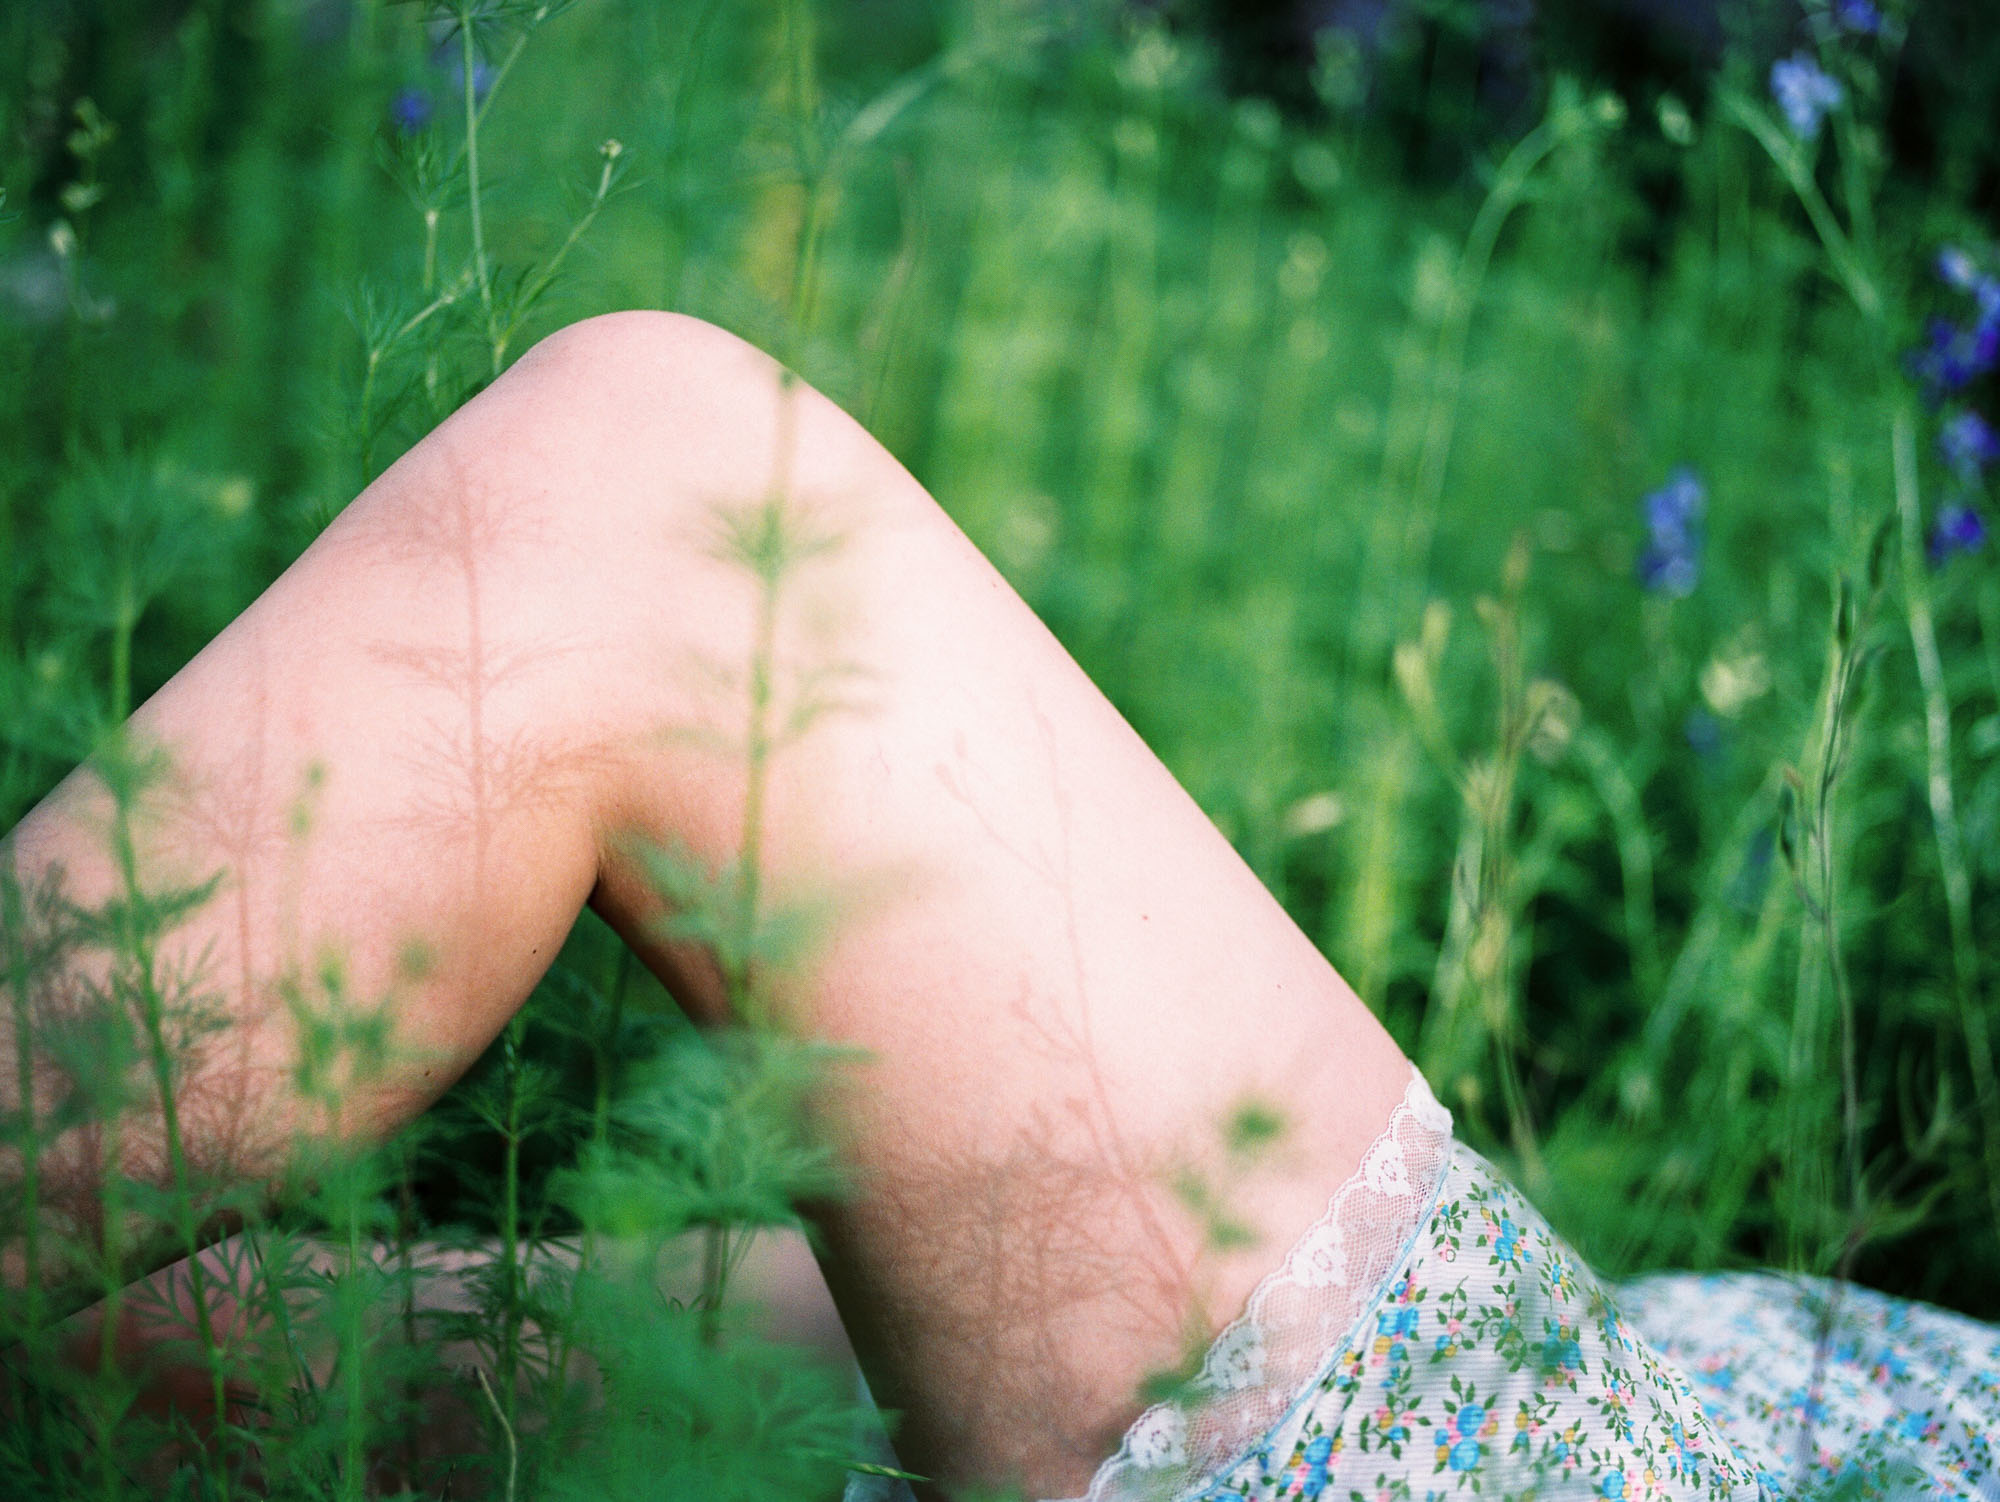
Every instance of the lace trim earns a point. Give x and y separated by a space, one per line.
1257 1368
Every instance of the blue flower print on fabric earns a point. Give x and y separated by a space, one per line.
1494 1365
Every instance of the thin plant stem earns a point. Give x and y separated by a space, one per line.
1797 172
1635 859
1803 1137
138 944
1829 918
800 54
125 620
353 1477
506 1429
378 352
500 74
27 1325
1938 791
510 1222
1855 276
546 277
1815 869
482 272
605 1049
715 1265
19 972
432 218
1510 185
677 185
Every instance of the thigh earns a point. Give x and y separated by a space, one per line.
528 653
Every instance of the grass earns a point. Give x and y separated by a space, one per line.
1329 470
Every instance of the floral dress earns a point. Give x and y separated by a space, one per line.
1432 1338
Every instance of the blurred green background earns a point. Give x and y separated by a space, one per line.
1308 369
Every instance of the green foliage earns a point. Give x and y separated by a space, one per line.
1327 469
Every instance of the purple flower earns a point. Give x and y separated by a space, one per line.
1804 92
1956 268
1671 574
1671 562
1968 444
1958 529
1954 357
482 76
1857 16
1673 509
410 110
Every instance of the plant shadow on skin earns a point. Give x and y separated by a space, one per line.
1201 485
323 1331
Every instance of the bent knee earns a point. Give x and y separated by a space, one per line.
646 396
645 353
665 411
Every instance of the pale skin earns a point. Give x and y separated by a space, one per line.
486 679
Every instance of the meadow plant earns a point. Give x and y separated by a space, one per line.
318 1333
1567 606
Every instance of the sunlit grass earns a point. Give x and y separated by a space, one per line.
1332 477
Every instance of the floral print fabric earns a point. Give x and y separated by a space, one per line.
1254 1371
1829 1389
1492 1363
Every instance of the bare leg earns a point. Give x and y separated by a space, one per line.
488 668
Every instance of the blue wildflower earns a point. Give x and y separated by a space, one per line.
1465 1455
1914 1424
1669 574
1955 268
1958 529
1857 16
1670 563
482 78
1954 357
450 60
1968 445
410 110
1805 92
1614 1485
1673 509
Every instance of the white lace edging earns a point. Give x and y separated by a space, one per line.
1258 1367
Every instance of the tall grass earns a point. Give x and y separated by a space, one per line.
1330 471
